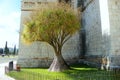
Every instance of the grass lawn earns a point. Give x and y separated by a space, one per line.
81 72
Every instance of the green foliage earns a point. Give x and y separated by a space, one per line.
51 23
6 49
14 51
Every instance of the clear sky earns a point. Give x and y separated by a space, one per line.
9 22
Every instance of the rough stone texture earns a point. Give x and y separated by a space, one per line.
95 42
92 24
40 54
114 17
114 11
101 23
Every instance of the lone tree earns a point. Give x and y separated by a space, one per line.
14 51
6 49
54 24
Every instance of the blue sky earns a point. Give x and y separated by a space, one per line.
9 22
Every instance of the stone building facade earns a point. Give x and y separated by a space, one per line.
98 42
100 20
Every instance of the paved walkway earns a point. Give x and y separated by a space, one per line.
2 72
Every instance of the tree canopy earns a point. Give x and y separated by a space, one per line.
51 23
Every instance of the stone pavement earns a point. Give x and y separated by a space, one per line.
3 76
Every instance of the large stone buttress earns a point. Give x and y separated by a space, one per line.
100 21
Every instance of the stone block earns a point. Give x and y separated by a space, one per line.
10 65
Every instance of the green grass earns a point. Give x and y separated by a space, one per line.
81 72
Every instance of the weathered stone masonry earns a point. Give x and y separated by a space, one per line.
114 10
91 23
100 21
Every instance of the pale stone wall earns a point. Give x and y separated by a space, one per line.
101 22
92 24
40 54
95 22
114 10
105 28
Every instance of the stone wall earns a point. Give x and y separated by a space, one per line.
114 16
100 20
40 54
114 11
95 23
92 25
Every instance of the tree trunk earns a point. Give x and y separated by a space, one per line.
58 64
